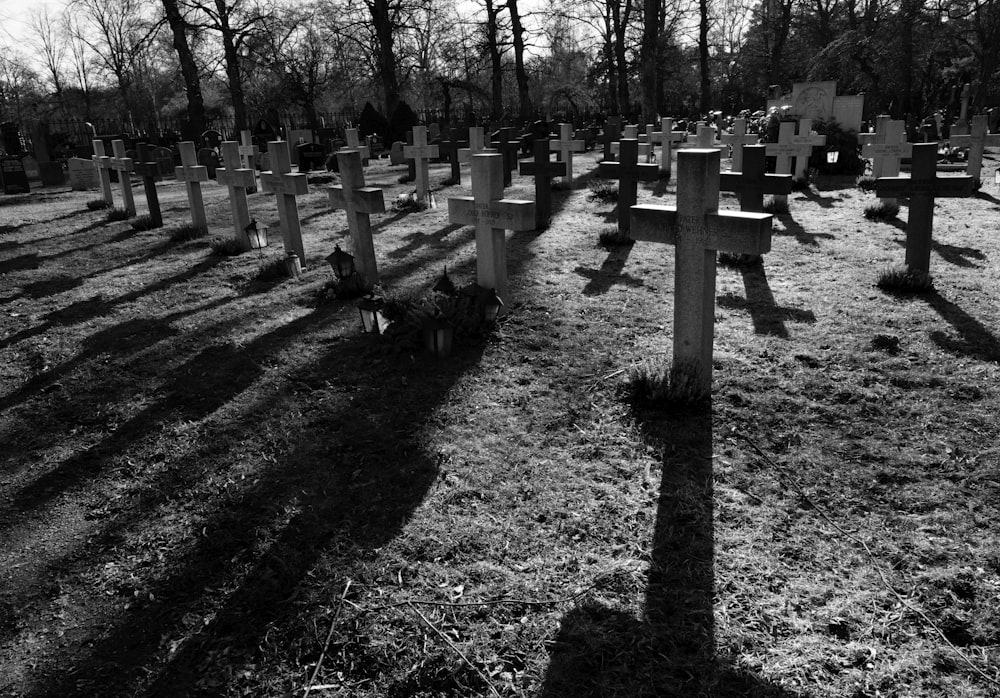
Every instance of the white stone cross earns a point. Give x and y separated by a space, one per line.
477 145
124 167
736 140
239 180
285 185
705 138
631 132
248 157
420 152
358 201
492 216
666 137
354 143
697 230
566 146
103 163
886 147
977 139
193 174
789 147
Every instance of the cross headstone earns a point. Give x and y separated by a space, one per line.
420 153
629 172
492 216
508 147
793 147
705 138
632 132
249 152
103 163
923 186
752 183
566 146
354 143
977 139
123 166
239 181
543 170
193 174
610 134
736 140
411 164
886 147
149 170
666 137
280 181
359 202
450 149
697 230
477 145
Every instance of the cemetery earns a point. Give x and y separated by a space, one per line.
567 403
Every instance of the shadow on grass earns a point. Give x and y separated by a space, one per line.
815 197
610 274
976 341
768 317
958 256
789 226
603 651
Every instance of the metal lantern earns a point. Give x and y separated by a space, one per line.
492 305
372 319
438 336
256 236
342 263
832 156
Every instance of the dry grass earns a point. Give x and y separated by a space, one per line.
215 485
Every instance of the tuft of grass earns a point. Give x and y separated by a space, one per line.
865 182
613 237
881 210
142 223
603 190
225 247
272 270
97 205
775 206
187 232
666 386
902 279
408 203
117 214
736 260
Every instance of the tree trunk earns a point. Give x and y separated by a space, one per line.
706 80
382 21
523 97
496 64
189 69
650 68
232 60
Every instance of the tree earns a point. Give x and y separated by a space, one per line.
189 69
517 30
49 44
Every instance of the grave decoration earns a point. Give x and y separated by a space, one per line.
239 180
736 140
123 166
147 168
977 139
450 149
697 230
103 163
629 172
922 186
492 216
249 153
543 170
285 185
752 183
192 174
666 137
13 177
566 146
885 148
358 201
420 153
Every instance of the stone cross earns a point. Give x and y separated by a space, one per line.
451 149
420 152
543 171
629 172
492 216
977 139
789 147
962 127
477 145
706 138
922 186
632 132
359 202
192 174
886 147
239 180
103 163
752 183
354 143
697 230
248 157
149 170
666 137
736 140
566 146
123 166
286 186
611 134
509 148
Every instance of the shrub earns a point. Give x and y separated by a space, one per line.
612 237
881 210
97 205
902 279
775 206
603 190
408 203
117 214
800 184
665 386
737 260
225 247
340 289
272 270
187 232
866 182
143 223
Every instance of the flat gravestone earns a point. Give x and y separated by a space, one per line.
103 164
238 180
697 230
192 174
492 216
922 186
13 177
286 186
123 166
359 202
629 172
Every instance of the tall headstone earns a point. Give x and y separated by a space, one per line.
354 143
629 172
358 201
123 166
886 147
666 137
450 150
249 153
285 185
961 127
752 182
508 147
610 134
192 174
239 180
420 153
103 164
477 145
697 230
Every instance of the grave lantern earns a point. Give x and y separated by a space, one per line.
438 335
372 319
444 285
342 263
832 156
256 235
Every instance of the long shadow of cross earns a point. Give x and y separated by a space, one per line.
789 226
768 317
610 273
604 651
975 340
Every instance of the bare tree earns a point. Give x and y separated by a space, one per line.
50 45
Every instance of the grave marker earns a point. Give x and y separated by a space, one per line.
610 134
752 183
791 146
629 172
13 178
103 164
509 149
450 149
164 160
239 180
886 147
666 137
82 174
697 230
359 202
149 170
543 170
922 186
977 139
210 159
736 140
420 152
566 146
354 143
492 216
249 153
123 166
477 145
192 174
961 128
280 181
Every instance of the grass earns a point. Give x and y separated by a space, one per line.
662 385
775 206
902 279
97 205
225 246
603 190
117 214
881 210
865 182
611 236
143 223
186 233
